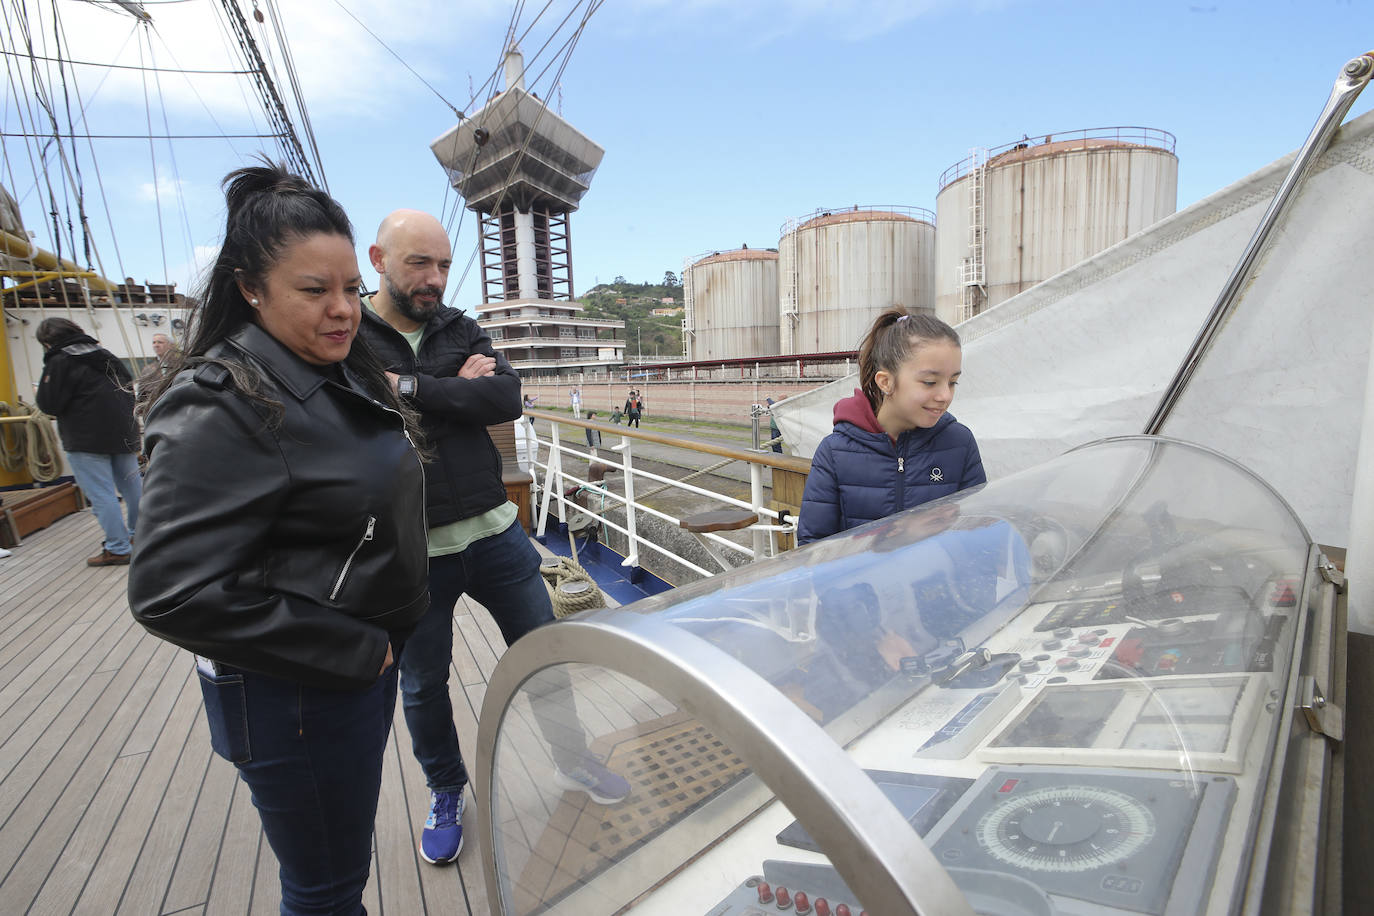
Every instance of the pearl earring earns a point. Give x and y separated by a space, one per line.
253 302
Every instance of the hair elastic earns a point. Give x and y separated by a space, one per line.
904 318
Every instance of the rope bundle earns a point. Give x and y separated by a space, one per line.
32 444
572 587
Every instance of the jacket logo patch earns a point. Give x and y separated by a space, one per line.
937 475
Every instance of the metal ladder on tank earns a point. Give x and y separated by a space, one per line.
689 323
972 270
789 290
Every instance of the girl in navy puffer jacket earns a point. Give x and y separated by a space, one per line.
895 445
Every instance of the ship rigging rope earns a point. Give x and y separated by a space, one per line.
306 125
92 253
92 63
32 445
293 151
152 157
401 60
176 176
70 165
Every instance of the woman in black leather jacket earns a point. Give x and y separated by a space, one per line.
282 535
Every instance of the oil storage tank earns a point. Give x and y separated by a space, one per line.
1012 216
839 269
730 303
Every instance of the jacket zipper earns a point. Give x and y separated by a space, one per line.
900 494
424 483
343 573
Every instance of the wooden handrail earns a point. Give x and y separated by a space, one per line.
767 459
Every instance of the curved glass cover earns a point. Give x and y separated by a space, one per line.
1064 681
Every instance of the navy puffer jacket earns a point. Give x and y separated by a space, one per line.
859 474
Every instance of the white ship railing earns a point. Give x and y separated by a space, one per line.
555 480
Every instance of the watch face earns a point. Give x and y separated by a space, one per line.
405 385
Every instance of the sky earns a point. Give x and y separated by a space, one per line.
720 118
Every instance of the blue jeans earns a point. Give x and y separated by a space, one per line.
501 572
99 476
313 760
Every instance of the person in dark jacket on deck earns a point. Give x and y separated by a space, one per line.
895 445
282 538
444 366
89 391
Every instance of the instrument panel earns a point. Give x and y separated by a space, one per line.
1074 684
1084 760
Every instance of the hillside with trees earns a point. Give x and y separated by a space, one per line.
658 338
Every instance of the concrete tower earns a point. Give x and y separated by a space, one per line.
523 169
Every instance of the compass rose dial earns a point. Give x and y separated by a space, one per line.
1066 828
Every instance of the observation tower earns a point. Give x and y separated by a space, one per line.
523 170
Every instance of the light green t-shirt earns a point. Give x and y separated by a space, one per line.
457 536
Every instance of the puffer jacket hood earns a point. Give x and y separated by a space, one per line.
856 409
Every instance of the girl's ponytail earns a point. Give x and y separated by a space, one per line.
895 334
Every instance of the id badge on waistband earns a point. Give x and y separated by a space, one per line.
207 666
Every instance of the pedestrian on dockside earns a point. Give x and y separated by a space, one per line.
593 435
634 409
282 539
90 393
895 445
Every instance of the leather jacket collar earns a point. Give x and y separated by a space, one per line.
293 374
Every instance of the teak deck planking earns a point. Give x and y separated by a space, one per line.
110 798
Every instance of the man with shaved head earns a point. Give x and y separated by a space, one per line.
443 365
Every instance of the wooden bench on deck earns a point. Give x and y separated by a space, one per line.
518 483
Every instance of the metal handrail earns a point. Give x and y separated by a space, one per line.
550 319
556 481
1149 137
796 224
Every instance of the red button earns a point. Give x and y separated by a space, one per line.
822 907
803 903
842 910
784 898
765 892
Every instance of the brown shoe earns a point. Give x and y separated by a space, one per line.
105 558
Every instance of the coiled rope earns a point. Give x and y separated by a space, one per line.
573 589
32 445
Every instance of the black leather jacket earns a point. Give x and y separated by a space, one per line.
464 474
296 550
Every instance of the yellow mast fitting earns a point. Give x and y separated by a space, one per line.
55 267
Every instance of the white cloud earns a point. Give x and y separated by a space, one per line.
164 189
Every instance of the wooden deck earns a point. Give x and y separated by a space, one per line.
110 798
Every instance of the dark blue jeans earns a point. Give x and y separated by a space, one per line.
501 572
313 761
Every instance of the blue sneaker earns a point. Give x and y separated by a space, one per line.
602 785
442 838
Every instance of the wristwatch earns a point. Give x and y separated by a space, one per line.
405 386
